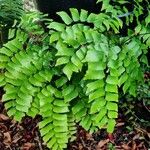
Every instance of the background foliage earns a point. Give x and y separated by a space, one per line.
74 72
9 11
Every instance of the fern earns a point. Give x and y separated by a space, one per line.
10 10
71 74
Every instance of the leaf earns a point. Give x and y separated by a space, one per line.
80 54
62 109
111 125
88 36
121 70
65 17
60 82
126 86
94 74
68 71
94 85
10 96
106 23
75 14
91 18
70 33
132 90
83 15
46 129
45 122
63 50
56 26
60 116
79 106
2 77
102 143
114 72
112 80
76 61
100 115
144 59
96 37
92 56
51 142
86 122
103 122
127 62
112 106
96 94
112 114
96 66
54 37
71 96
59 103
7 138
68 90
80 38
80 114
19 115
138 28
116 49
4 58
11 112
97 105
123 79
112 97
111 88
62 60
6 51
59 123
48 136
112 64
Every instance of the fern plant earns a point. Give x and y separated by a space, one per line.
9 11
70 74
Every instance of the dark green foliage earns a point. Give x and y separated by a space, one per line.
10 10
71 73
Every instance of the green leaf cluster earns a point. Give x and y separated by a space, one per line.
70 74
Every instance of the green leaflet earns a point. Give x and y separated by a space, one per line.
75 14
54 37
62 60
78 107
57 26
111 124
65 17
112 80
112 114
94 74
94 85
111 88
92 56
96 94
83 15
112 106
86 122
112 97
97 105
100 115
